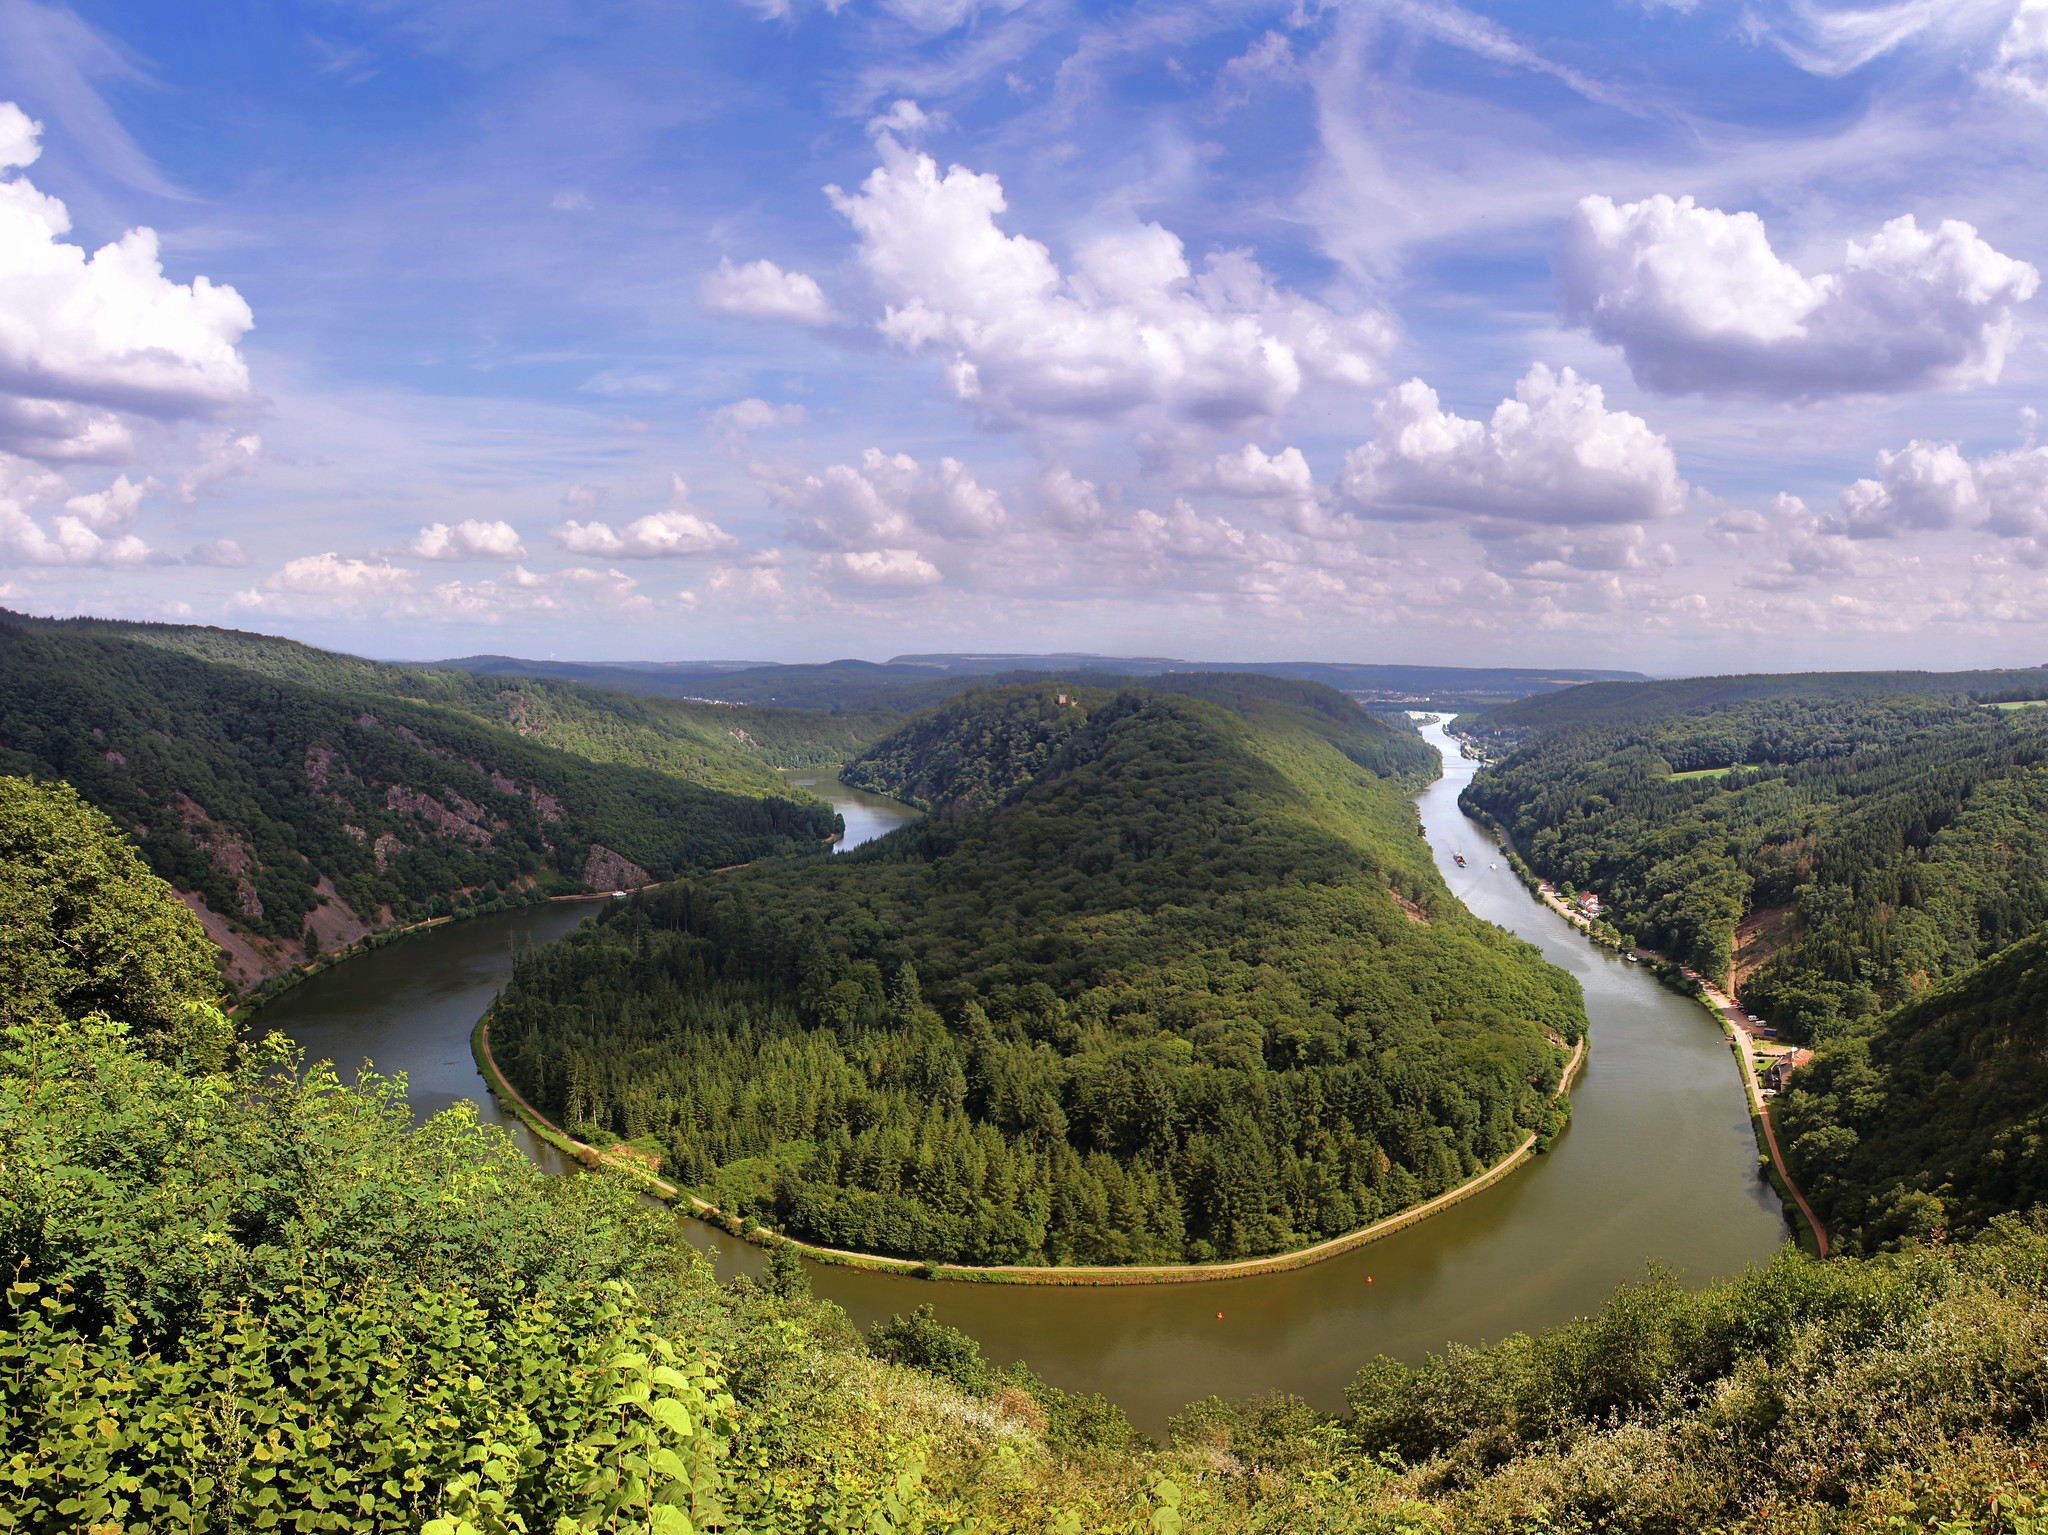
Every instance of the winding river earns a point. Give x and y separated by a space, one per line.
1659 1164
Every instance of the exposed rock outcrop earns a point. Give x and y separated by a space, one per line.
605 869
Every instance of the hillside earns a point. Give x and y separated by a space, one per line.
439 1337
1861 846
1934 1118
297 818
984 745
1168 984
1624 703
718 747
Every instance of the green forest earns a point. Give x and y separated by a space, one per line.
332 1320
272 799
1885 836
1898 835
716 746
1169 981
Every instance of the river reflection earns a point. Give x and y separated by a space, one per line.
1659 1164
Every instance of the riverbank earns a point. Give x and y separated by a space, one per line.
1734 1024
1019 1274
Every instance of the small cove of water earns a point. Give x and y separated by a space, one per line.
1659 1164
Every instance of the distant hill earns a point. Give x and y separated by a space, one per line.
911 682
599 719
294 816
1623 702
987 743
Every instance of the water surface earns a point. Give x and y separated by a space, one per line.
1659 1164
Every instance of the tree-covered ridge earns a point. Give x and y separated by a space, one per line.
1623 704
1161 1003
976 750
718 747
1934 1120
291 810
979 748
1899 835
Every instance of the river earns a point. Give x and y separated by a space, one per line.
1659 1164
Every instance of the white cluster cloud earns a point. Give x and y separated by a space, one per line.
888 503
470 539
86 340
889 569
730 424
671 534
1552 454
1698 302
337 584
92 529
1133 327
1931 486
761 290
330 574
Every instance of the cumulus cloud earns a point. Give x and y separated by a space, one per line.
889 569
329 574
905 119
92 529
887 498
1933 487
671 534
761 290
1699 303
740 584
1069 501
730 424
757 415
1552 454
1132 327
85 338
467 540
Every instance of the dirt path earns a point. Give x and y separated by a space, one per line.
1738 1023
1131 1274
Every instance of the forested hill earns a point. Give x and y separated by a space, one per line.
300 817
718 746
980 748
1834 854
1193 989
1934 1120
1639 704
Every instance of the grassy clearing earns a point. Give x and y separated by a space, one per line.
1718 772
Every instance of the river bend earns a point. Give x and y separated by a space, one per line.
1659 1164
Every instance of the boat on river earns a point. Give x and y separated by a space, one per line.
1460 857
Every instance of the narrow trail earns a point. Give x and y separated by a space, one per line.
1130 1274
1738 1023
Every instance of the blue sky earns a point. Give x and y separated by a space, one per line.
1679 336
